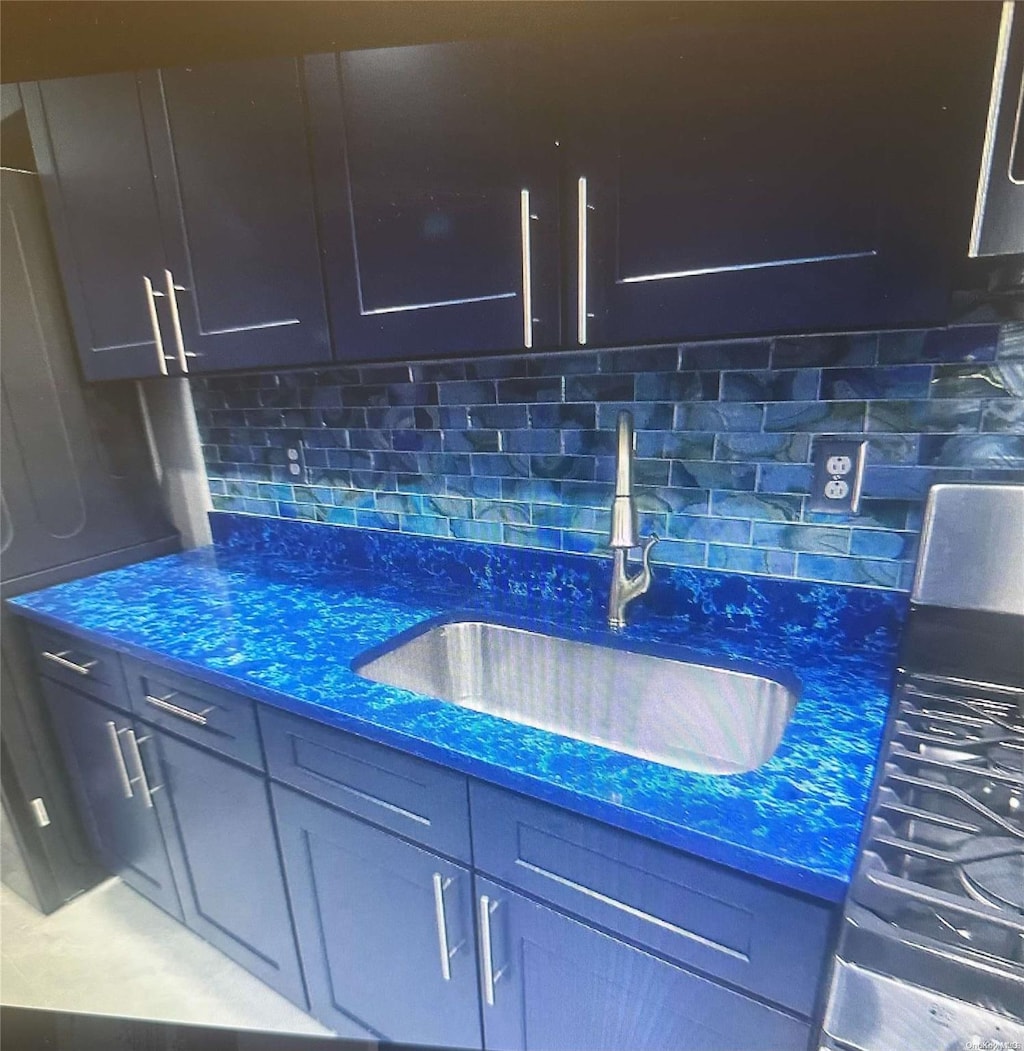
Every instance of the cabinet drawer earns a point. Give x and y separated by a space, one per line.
217 719
87 667
755 936
410 796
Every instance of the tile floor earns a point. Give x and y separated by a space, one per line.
112 952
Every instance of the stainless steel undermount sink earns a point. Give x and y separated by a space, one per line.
686 715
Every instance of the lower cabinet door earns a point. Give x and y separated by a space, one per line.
100 748
555 984
385 927
220 835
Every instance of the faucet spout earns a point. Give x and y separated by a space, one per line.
624 532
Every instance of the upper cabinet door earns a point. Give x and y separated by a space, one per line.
233 175
438 186
90 144
77 480
775 172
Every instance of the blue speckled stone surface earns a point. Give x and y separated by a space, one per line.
280 609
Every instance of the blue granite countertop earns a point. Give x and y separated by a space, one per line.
279 610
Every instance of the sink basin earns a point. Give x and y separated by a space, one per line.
686 715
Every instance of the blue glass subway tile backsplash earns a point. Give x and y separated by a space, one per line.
519 449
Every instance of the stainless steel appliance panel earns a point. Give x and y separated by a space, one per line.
972 549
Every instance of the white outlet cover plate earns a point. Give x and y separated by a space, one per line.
838 475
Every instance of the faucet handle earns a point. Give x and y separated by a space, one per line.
648 544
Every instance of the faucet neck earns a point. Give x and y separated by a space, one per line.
624 456
623 534
624 531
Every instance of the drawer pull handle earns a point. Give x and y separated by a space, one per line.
491 977
133 747
199 718
122 770
441 884
62 659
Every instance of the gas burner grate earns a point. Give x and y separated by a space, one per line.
944 851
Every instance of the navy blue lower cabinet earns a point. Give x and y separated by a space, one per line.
414 799
220 835
82 665
100 748
738 930
385 928
555 984
217 719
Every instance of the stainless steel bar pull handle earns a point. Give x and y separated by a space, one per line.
581 260
440 886
133 747
491 977
62 659
1011 164
995 104
122 770
524 222
179 339
199 718
151 294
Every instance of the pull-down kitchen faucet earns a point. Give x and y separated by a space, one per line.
623 535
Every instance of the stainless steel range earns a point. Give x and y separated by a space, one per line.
931 949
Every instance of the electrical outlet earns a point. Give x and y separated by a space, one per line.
838 473
296 462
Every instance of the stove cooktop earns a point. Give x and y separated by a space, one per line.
943 857
934 923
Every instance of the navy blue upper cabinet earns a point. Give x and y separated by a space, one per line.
437 179
235 187
183 212
89 140
778 171
741 170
